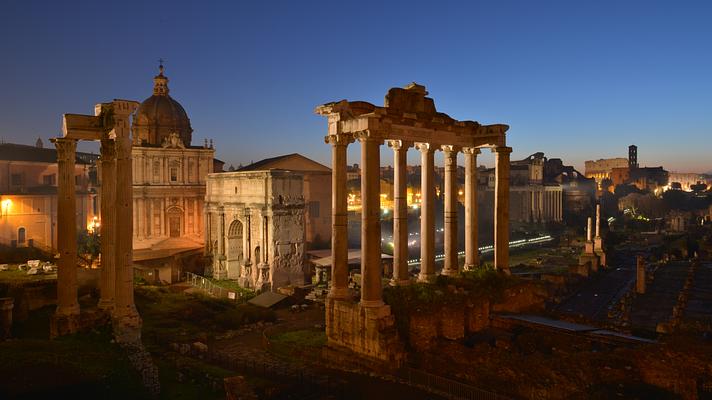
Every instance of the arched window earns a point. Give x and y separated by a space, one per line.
21 236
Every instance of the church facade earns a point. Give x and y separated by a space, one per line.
169 173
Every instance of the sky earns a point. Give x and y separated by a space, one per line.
575 80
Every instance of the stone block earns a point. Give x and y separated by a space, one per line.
477 316
452 323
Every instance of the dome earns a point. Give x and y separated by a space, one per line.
159 116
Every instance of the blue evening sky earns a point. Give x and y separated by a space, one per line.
576 80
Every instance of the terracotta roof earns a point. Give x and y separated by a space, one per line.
22 152
274 163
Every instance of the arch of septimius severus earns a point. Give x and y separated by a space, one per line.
407 119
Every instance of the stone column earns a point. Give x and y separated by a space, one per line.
107 286
501 208
400 214
598 221
221 272
427 216
451 266
472 256
67 302
371 295
339 219
127 322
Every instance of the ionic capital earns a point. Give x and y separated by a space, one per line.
339 140
424 147
450 149
367 136
471 150
399 144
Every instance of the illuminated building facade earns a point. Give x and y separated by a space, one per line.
28 195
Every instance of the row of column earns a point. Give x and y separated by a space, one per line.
116 281
546 205
371 291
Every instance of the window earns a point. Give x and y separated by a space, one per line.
49 180
174 174
16 179
21 236
156 171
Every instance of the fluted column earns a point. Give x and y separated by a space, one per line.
427 216
472 257
339 219
501 208
400 214
221 268
107 287
67 302
127 321
371 291
451 266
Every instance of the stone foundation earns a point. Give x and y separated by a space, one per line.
6 306
591 258
367 331
61 325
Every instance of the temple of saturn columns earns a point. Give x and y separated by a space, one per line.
110 125
407 119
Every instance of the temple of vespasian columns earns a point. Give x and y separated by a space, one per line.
110 125
407 119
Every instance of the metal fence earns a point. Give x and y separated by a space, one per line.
211 288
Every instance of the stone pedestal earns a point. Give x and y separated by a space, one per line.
591 259
368 331
6 306
640 275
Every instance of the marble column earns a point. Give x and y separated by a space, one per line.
501 208
371 291
400 214
472 256
107 287
221 271
451 265
67 302
339 219
127 322
427 213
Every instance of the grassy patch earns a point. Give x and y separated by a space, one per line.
76 366
301 338
14 276
233 286
180 315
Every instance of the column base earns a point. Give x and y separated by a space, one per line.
106 305
127 326
372 303
339 294
63 324
427 278
470 267
450 272
368 331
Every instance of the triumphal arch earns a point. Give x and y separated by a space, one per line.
407 119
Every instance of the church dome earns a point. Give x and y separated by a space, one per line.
159 116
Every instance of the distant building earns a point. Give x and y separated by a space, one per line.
255 231
317 193
601 169
28 194
169 174
579 190
532 197
621 171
